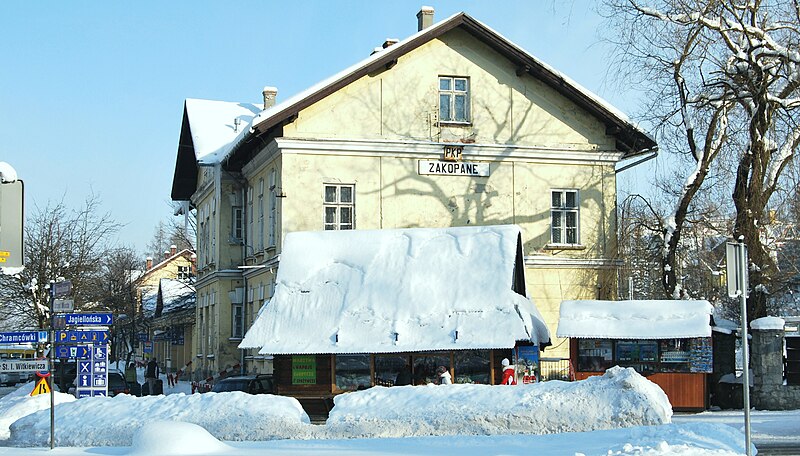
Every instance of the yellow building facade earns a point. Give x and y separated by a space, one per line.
454 126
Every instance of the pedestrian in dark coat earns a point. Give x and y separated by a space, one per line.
151 374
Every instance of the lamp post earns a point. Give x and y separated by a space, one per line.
736 259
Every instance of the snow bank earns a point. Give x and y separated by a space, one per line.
620 398
20 403
113 421
165 438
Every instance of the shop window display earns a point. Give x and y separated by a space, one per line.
472 366
353 372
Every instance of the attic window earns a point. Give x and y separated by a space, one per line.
453 99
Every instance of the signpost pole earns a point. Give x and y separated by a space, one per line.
742 273
736 271
52 365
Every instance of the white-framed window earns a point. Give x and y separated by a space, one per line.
250 215
237 224
339 206
273 207
237 321
261 214
453 99
184 272
564 217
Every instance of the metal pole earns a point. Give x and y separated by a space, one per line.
52 365
742 257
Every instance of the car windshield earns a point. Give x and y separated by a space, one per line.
115 381
230 385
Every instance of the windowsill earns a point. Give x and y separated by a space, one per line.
234 339
210 356
454 123
564 247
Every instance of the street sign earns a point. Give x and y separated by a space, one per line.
42 387
11 221
62 289
736 269
142 337
63 305
93 336
89 319
93 373
147 347
23 337
23 365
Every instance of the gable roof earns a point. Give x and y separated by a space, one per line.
630 138
388 291
648 319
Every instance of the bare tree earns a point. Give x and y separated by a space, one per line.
60 244
121 270
724 77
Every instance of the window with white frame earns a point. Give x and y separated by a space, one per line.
184 273
237 224
273 207
237 321
261 214
453 99
564 217
339 206
250 215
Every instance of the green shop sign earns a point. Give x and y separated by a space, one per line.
304 370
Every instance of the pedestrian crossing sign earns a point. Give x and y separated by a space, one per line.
42 387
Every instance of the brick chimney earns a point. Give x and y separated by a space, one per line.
173 249
424 18
148 263
166 254
270 94
193 259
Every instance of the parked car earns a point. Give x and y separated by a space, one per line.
64 375
118 385
9 378
252 384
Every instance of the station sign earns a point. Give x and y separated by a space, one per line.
27 365
23 337
89 319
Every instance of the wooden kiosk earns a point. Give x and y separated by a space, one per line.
669 342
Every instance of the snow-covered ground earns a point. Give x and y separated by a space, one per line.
620 413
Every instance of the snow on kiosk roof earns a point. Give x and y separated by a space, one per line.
665 319
388 291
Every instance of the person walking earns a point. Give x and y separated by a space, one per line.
151 374
508 373
444 376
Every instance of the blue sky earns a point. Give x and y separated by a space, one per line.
91 93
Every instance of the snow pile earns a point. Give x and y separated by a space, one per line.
20 403
620 398
170 438
647 319
113 421
765 323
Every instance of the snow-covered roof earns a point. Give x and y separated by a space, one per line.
400 290
174 294
214 125
664 319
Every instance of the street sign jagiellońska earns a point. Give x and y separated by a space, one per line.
89 319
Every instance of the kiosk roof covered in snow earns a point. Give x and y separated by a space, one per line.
664 319
401 290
